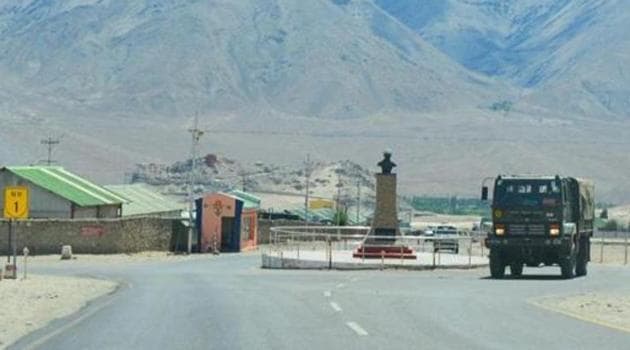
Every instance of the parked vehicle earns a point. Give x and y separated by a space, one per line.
446 238
540 220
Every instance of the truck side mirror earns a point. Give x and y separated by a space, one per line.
484 193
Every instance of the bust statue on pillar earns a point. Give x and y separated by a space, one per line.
385 222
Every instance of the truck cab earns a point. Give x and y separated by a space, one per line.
540 220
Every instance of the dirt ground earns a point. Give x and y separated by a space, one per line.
611 310
32 303
119 258
612 254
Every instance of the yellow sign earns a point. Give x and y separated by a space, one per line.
16 202
321 203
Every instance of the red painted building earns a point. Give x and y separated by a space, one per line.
227 222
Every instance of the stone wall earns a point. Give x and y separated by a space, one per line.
92 236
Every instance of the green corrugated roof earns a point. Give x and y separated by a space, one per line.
249 200
67 185
142 200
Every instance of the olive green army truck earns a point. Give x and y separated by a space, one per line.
540 220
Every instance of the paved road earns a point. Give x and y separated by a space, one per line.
226 302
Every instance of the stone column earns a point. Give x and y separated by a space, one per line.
385 221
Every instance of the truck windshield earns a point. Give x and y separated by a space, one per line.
527 193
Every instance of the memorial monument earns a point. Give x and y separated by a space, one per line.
385 221
382 239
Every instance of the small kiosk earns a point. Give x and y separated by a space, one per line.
227 222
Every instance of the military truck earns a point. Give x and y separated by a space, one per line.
540 220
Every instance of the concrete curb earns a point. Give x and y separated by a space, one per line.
275 263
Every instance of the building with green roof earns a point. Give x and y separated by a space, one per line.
144 201
57 193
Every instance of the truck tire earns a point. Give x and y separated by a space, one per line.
567 266
582 258
497 268
516 269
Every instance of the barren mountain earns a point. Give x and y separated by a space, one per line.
458 89
169 58
570 50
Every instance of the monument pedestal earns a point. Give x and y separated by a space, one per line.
381 240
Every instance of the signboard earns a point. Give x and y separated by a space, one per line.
92 231
16 202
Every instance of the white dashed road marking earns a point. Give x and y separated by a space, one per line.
327 294
356 328
335 306
340 285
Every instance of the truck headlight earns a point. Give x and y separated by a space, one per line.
554 230
499 230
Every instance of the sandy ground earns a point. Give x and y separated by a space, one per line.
610 310
612 254
32 303
119 258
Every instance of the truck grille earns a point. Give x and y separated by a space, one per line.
524 230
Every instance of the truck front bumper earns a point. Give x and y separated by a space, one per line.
530 249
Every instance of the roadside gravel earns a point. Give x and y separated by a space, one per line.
32 303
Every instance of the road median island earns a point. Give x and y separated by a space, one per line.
344 260
604 309
30 304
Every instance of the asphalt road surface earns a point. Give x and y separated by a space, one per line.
228 302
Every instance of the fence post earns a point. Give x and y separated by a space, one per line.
382 259
470 251
601 250
402 257
329 253
625 255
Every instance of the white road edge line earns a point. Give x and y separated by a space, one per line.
357 329
335 306
327 294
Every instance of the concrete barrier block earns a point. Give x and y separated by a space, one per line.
66 252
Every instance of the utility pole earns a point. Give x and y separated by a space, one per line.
307 175
196 134
243 174
358 200
50 143
339 185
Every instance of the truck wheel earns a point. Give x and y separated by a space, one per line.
582 258
516 269
497 269
567 266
